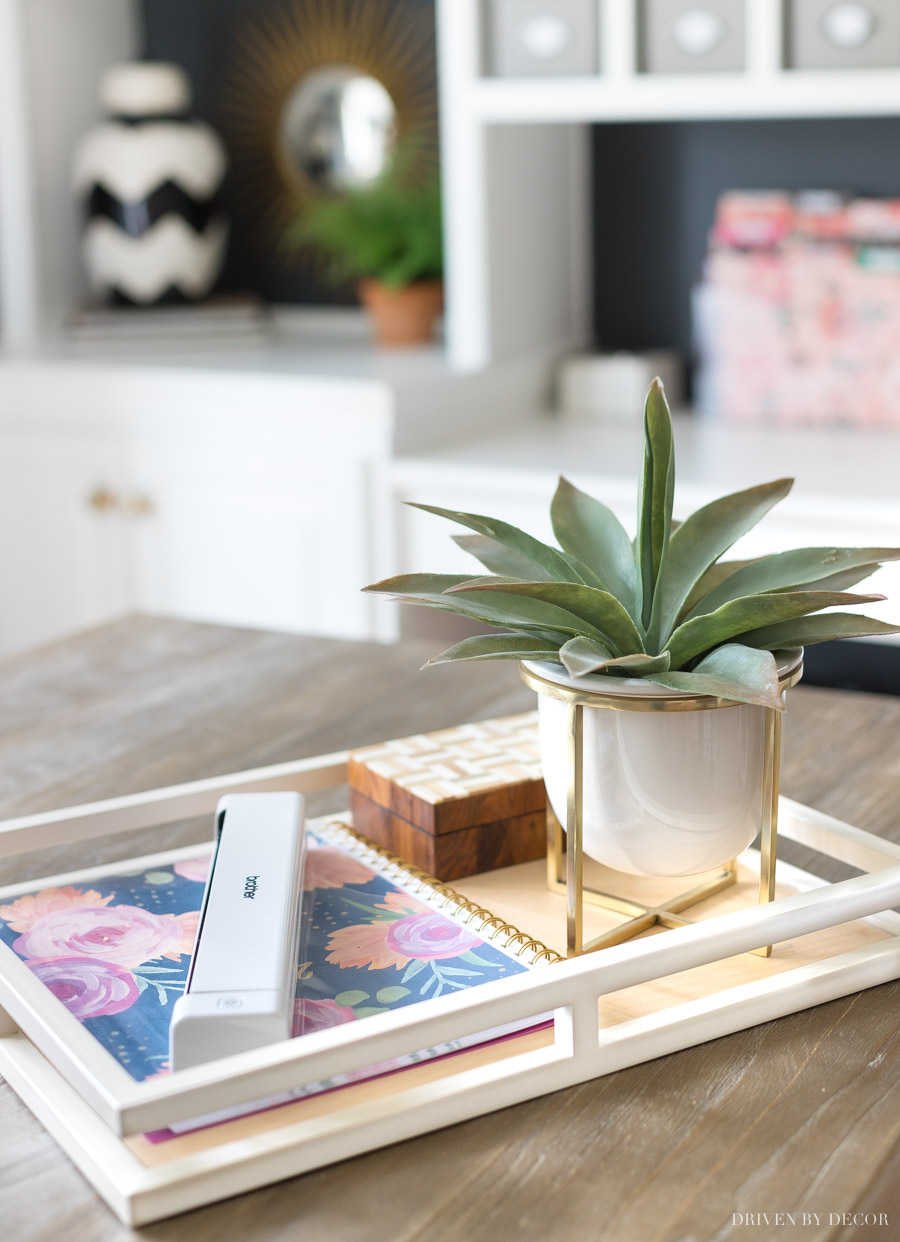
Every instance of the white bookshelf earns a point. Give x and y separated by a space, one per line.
678 97
516 258
514 151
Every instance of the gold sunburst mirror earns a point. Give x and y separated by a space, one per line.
320 95
338 130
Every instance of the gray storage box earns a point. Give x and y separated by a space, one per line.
692 36
542 38
855 34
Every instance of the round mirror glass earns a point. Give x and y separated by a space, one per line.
337 129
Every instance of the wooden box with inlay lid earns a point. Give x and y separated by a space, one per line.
456 802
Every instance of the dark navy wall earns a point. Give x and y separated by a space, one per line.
655 188
199 36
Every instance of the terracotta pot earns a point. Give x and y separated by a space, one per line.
403 316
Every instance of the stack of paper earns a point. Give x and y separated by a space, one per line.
798 315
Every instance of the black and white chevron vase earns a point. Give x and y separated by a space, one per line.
150 177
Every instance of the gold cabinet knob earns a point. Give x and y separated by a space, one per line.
138 505
103 499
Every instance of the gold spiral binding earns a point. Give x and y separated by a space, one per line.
393 867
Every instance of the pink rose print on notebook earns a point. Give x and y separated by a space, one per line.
327 867
125 935
22 914
319 1015
405 933
99 958
193 868
427 936
87 988
364 945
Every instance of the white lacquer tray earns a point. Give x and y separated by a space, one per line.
651 996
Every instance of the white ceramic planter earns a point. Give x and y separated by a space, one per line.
665 793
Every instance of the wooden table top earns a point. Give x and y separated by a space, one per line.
799 1115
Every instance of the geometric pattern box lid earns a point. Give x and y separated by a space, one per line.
455 802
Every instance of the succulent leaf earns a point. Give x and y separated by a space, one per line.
510 612
805 631
483 582
699 541
638 665
510 563
738 616
732 671
801 567
582 656
588 530
716 574
844 580
584 573
404 584
501 560
498 647
550 560
655 494
600 611
552 636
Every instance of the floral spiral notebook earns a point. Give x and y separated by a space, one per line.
114 947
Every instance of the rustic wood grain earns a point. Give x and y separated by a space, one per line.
446 814
797 1115
452 855
455 802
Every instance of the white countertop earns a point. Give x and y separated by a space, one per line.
844 464
322 361
318 344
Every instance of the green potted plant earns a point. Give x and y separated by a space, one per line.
667 791
388 236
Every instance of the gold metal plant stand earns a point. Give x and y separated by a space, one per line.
568 846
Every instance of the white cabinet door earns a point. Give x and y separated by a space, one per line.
256 540
62 539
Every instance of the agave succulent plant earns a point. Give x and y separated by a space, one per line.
664 607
